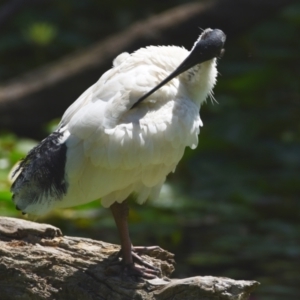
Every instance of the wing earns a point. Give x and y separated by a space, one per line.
135 74
114 150
103 148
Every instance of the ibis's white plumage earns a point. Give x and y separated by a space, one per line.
112 150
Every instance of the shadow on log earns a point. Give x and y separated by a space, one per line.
38 262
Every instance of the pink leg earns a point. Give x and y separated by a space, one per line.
120 213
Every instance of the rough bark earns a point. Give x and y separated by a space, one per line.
38 262
41 95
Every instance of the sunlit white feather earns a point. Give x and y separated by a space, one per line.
114 151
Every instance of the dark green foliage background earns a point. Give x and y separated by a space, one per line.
232 208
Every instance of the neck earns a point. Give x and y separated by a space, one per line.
200 80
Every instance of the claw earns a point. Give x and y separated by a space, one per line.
139 267
139 271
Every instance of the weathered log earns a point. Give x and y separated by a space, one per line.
31 100
38 262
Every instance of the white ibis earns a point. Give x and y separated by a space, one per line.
118 138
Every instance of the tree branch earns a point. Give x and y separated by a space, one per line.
38 262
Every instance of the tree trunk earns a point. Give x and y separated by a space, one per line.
38 262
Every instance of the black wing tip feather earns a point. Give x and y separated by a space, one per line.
42 172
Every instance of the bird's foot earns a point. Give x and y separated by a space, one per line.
140 271
139 267
132 269
137 251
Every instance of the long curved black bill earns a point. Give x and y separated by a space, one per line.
209 45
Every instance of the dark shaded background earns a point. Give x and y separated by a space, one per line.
232 207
